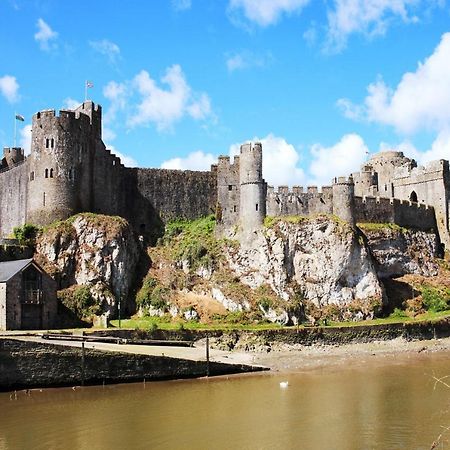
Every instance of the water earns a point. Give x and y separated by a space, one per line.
390 404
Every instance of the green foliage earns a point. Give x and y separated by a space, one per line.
398 314
152 294
193 241
26 234
270 221
369 226
80 301
435 299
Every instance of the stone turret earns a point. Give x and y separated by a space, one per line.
252 209
60 163
344 199
12 156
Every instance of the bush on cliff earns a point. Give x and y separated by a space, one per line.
26 234
80 301
152 294
435 299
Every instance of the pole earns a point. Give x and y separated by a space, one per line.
15 129
83 361
207 355
118 307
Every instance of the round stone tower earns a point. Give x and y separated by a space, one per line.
60 166
252 208
344 199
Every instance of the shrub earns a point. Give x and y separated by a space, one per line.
434 299
152 294
398 314
26 234
80 301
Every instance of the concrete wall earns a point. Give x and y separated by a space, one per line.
13 198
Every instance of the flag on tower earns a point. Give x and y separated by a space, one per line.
89 84
20 117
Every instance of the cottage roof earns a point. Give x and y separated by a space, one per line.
9 268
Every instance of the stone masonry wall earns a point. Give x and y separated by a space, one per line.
297 202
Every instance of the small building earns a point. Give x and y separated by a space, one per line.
27 296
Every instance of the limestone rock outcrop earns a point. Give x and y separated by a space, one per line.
327 261
99 251
398 251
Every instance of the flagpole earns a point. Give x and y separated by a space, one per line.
15 129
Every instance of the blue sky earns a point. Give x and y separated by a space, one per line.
320 83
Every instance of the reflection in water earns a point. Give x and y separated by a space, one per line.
376 406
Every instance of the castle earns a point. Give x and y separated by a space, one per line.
69 170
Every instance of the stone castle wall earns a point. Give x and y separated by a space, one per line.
401 212
299 201
13 197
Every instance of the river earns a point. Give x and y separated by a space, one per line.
392 404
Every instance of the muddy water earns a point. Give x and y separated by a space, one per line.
390 405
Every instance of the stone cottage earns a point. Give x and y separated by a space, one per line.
27 296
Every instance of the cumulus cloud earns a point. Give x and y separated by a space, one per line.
181 5
116 93
264 12
9 88
420 101
341 159
370 17
25 138
280 161
165 106
246 60
197 160
45 36
106 48
71 103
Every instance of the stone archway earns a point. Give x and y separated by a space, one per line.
413 197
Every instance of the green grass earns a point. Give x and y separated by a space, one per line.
148 323
366 226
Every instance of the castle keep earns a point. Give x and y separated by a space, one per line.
69 170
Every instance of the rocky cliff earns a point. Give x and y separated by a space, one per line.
92 250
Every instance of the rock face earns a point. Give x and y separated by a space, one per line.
327 261
400 251
94 250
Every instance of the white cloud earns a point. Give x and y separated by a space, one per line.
370 17
181 5
108 134
45 36
116 93
280 161
9 88
246 59
106 48
71 103
197 160
127 160
340 159
420 101
265 12
440 149
25 138
164 107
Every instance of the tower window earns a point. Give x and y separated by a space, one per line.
43 199
47 142
230 187
53 143
51 173
31 176
234 208
257 207
46 173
